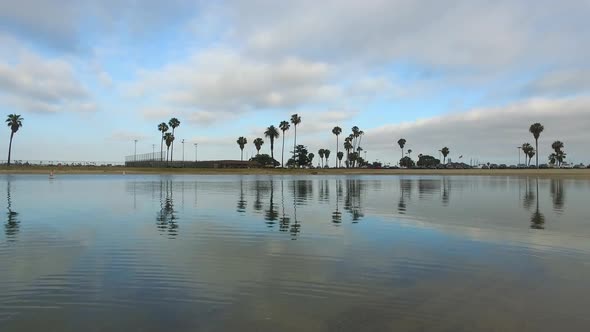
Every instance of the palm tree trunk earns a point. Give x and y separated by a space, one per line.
336 151
283 151
10 147
537 151
162 148
172 150
241 154
272 149
295 145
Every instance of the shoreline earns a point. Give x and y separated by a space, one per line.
562 173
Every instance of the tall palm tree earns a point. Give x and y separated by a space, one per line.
173 123
321 154
445 152
284 126
14 121
336 131
242 141
356 132
361 134
327 156
258 143
295 120
402 142
272 133
410 153
169 138
340 155
163 127
536 129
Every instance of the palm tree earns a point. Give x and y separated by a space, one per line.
402 142
348 146
14 121
336 131
526 149
173 123
321 154
536 129
169 138
557 147
272 133
163 127
258 143
340 155
295 120
531 153
410 153
284 126
327 155
356 132
242 141
445 152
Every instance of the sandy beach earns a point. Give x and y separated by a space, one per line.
561 173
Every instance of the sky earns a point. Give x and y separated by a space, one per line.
91 76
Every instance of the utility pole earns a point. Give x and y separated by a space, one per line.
183 151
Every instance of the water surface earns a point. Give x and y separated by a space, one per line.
294 253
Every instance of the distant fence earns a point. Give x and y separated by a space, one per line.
152 156
69 163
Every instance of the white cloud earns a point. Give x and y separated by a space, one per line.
478 34
560 82
224 81
35 84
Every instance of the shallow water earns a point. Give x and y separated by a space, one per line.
294 253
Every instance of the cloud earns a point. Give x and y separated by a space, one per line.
126 136
490 133
477 34
560 82
224 81
35 84
64 25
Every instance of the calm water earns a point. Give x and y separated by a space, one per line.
262 253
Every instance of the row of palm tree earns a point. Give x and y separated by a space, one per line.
324 153
272 133
167 137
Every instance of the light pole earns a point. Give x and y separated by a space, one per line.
183 152
519 147
153 151
135 151
196 152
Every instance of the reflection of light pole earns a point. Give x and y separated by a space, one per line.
519 147
135 151
196 151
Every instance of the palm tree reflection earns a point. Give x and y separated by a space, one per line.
557 195
352 202
166 217
284 220
271 215
537 219
241 202
337 215
12 225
